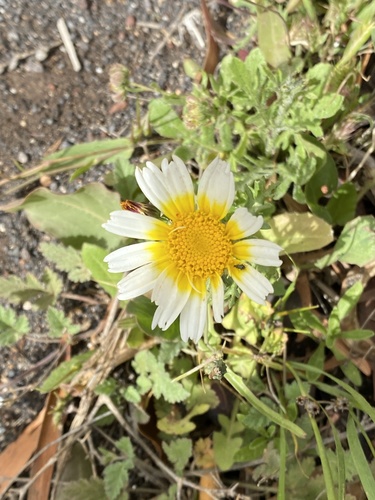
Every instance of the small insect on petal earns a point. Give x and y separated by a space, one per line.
139 208
240 266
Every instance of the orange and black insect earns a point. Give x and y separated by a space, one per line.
138 208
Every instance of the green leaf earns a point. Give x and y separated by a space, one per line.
66 259
317 359
278 419
273 37
328 105
12 328
165 120
116 477
87 155
225 449
143 310
355 245
342 204
360 461
65 372
73 218
83 489
178 452
125 446
148 367
346 303
41 293
298 232
93 258
59 324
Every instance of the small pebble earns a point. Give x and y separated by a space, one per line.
33 66
41 54
22 157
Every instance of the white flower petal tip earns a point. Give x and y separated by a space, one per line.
182 260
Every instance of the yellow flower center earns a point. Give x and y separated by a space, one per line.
199 245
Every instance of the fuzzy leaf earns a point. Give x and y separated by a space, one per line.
73 218
125 446
83 489
93 257
59 324
148 367
12 328
66 259
225 449
65 372
41 293
178 452
116 477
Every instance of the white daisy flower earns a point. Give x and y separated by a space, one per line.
184 258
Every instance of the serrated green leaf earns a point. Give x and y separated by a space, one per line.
148 367
178 452
73 218
125 446
59 324
355 245
12 327
225 450
41 293
66 259
93 258
83 489
65 372
299 232
116 477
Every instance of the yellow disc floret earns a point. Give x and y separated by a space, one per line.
199 245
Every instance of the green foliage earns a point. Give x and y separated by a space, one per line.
116 478
82 489
41 293
299 232
66 259
178 452
74 218
152 375
59 324
12 327
226 443
65 372
93 258
355 245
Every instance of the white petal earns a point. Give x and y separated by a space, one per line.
253 283
243 224
217 289
134 225
171 296
137 282
179 183
216 189
128 258
263 252
193 317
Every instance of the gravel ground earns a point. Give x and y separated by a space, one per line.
44 101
